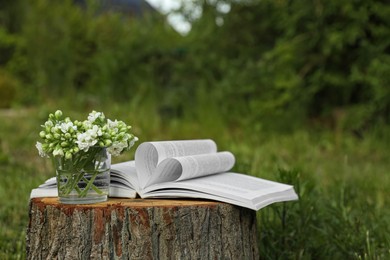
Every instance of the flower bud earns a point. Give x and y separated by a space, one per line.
58 114
68 155
58 152
49 136
107 142
49 124
57 136
42 134
64 144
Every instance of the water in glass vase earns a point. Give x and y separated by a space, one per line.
84 178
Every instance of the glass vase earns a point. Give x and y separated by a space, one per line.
84 178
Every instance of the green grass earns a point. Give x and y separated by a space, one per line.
342 181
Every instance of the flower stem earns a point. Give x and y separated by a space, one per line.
83 168
90 185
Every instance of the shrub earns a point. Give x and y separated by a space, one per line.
297 59
8 87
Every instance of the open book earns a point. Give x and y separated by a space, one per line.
186 169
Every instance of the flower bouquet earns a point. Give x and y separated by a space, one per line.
81 152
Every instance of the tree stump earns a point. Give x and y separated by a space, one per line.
141 229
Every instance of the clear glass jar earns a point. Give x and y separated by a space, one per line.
85 178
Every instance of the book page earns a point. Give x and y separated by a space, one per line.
148 155
119 191
188 167
238 189
126 174
123 183
44 192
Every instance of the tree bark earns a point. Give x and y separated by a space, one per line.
141 229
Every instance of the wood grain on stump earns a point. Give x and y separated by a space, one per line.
141 229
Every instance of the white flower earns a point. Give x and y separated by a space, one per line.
132 142
64 137
85 140
38 145
89 138
87 124
66 126
94 115
58 152
112 124
95 131
116 148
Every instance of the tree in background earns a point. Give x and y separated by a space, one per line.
303 59
253 61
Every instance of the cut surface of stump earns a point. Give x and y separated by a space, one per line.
141 229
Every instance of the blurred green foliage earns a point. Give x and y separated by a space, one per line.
261 65
281 60
7 89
